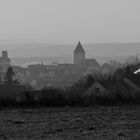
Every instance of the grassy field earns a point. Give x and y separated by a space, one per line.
101 123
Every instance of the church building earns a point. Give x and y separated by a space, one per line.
80 57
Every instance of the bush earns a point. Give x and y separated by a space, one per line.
52 97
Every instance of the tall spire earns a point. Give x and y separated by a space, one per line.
79 48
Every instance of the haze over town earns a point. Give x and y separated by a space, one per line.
52 28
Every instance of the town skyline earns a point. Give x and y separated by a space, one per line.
52 49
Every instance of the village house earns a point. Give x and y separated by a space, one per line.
124 88
98 89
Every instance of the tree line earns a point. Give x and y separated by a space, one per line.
12 93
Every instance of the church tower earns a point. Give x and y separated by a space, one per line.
79 54
5 61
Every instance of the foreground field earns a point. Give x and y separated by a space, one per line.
67 123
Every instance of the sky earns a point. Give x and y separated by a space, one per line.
68 21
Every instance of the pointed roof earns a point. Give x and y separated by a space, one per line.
79 48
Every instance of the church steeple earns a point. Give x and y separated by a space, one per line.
79 54
79 48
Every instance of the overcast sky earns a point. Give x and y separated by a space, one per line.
67 21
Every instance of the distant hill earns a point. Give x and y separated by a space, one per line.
40 52
24 61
